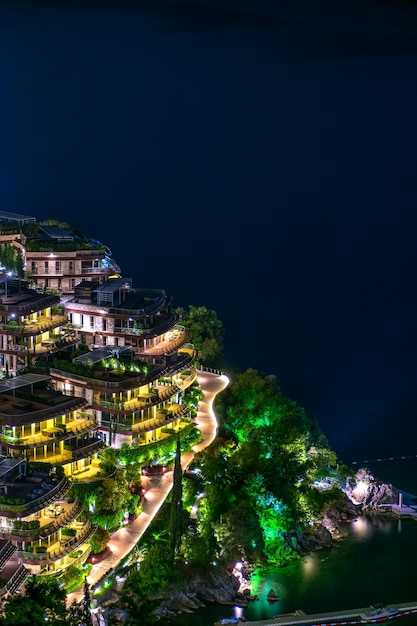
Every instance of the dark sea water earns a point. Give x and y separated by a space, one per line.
375 562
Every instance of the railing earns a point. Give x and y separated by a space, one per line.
33 441
47 529
152 330
53 494
26 309
96 270
15 581
212 370
53 555
146 310
67 406
161 420
6 553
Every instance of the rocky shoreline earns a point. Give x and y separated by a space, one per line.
228 586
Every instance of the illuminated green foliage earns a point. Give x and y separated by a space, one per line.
206 332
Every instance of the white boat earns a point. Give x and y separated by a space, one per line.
379 614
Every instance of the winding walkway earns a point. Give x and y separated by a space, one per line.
158 487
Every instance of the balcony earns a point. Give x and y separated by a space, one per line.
162 324
19 411
55 434
59 549
60 515
21 489
31 328
174 413
68 455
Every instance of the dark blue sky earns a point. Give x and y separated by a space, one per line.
258 158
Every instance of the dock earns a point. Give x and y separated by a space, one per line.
336 618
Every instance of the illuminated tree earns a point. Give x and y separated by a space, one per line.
207 333
176 517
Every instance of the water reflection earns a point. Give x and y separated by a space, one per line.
310 566
363 569
362 527
238 611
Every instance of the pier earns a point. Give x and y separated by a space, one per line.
337 618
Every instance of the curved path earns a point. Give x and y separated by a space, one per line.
158 487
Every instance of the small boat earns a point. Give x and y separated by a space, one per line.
380 614
229 620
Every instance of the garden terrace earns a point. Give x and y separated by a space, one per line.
120 378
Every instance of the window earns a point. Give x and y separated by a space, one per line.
104 325
46 267
57 267
91 321
82 320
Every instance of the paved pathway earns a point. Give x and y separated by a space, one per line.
122 541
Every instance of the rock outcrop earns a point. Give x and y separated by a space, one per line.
203 587
368 492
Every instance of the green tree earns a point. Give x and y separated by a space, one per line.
176 516
207 333
86 614
44 601
99 540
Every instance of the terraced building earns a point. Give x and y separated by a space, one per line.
140 365
54 255
117 366
45 437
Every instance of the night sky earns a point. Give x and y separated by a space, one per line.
257 158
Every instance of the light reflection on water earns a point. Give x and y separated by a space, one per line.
375 562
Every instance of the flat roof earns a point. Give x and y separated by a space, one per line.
7 464
56 232
24 380
100 354
17 217
114 284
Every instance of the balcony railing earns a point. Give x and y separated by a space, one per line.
45 530
71 404
53 555
15 581
161 420
71 430
38 503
